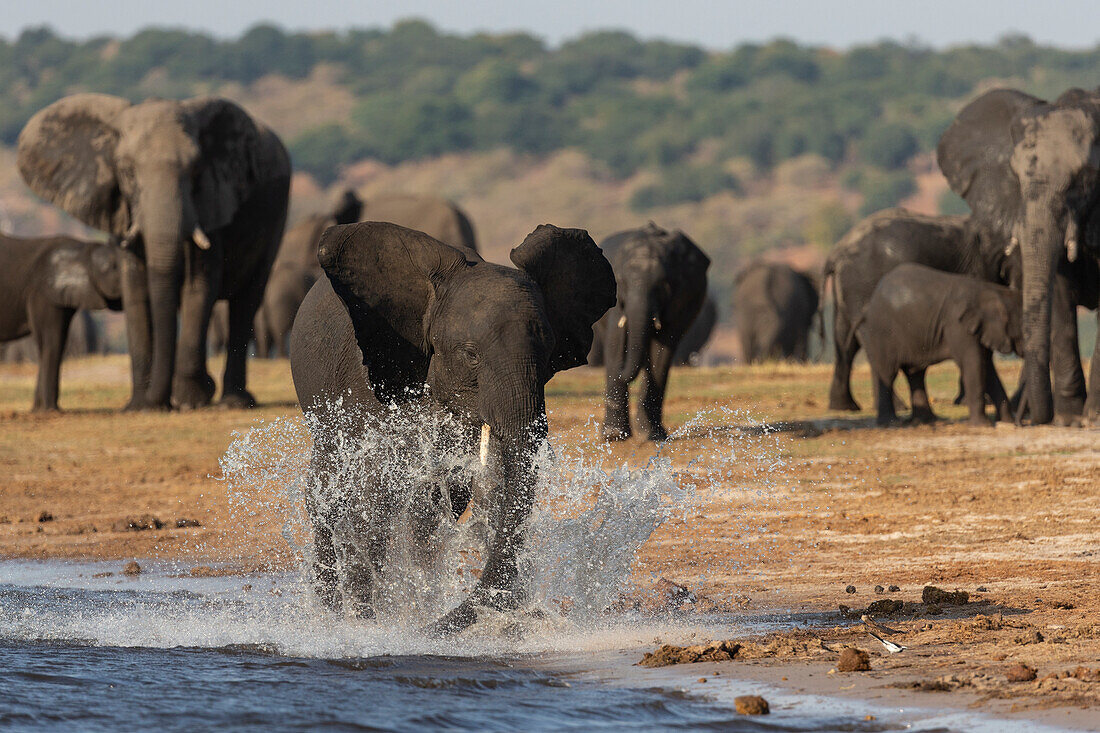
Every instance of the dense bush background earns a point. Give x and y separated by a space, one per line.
626 103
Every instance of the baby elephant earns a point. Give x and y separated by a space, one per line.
43 282
918 317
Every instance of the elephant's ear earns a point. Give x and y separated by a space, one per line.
229 162
576 282
688 252
975 155
386 276
66 154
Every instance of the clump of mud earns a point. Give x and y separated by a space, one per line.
669 654
853 660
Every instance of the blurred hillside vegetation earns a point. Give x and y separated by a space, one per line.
765 147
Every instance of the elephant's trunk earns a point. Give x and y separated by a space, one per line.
164 227
516 416
641 317
1042 247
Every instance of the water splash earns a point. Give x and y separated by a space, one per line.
594 513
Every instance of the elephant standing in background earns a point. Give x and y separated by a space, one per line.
1030 171
662 281
919 316
885 240
774 306
43 282
437 217
403 319
197 191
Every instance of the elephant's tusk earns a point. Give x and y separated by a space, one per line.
1071 239
622 321
1013 243
484 453
129 237
656 323
200 238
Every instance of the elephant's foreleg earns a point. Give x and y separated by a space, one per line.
1065 355
192 385
50 326
972 364
995 390
139 326
654 382
616 422
845 345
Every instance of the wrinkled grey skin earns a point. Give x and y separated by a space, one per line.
662 282
197 191
1030 171
919 316
43 282
400 312
881 242
774 305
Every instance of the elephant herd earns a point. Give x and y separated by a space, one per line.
387 303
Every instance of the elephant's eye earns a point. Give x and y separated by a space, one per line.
468 352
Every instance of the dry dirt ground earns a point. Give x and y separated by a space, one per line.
809 510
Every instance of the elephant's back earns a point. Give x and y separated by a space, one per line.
437 217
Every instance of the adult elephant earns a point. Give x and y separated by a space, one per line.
662 282
197 191
1030 171
881 242
403 319
774 306
693 341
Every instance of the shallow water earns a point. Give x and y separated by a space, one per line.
169 651
81 652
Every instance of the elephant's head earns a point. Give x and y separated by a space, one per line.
484 338
1030 171
996 320
87 277
164 176
661 282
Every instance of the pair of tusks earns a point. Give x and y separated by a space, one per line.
656 322
198 236
1071 243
